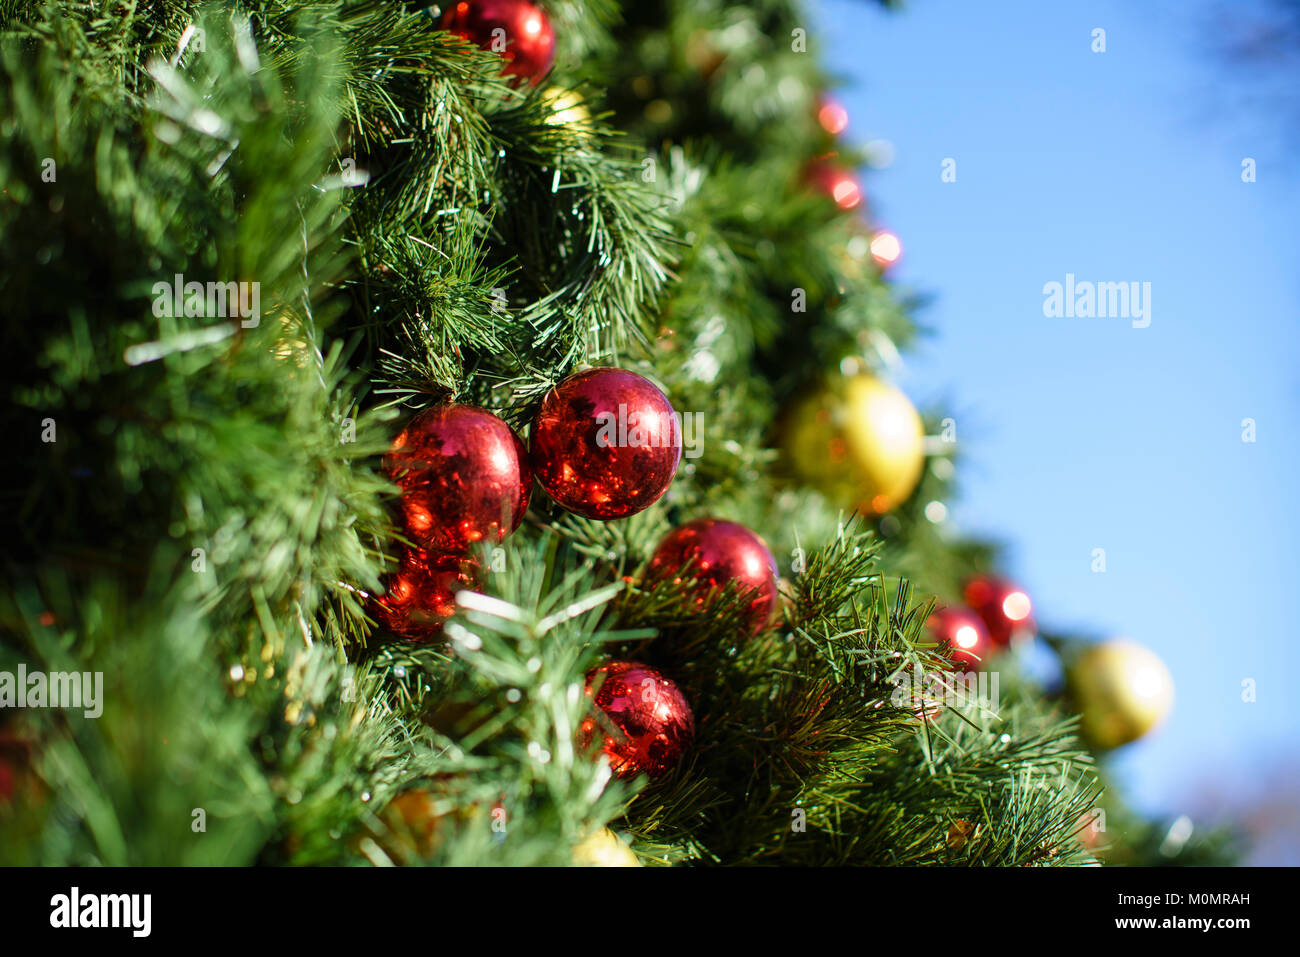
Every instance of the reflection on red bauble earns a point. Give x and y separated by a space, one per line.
886 248
421 595
832 115
652 723
464 477
606 443
1004 608
719 552
969 645
827 176
517 29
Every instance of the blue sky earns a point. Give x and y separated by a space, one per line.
1088 433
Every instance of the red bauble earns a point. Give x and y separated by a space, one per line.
464 477
719 552
517 29
832 116
1004 608
653 724
827 176
421 595
606 443
969 645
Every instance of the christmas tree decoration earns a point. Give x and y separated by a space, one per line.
568 108
464 477
652 724
860 441
1122 691
832 116
827 176
886 248
412 822
520 31
714 553
309 633
292 344
603 848
606 443
1004 608
421 595
969 645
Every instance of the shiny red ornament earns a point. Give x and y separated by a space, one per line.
464 476
652 722
517 29
1004 608
719 552
421 595
827 176
606 443
969 645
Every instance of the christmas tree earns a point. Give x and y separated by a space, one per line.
462 436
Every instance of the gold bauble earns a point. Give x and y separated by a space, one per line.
413 822
861 441
603 849
292 343
567 108
1122 691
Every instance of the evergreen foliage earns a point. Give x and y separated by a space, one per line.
213 512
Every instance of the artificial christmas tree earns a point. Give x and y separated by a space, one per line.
412 270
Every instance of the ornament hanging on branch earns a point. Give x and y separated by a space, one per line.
421 595
412 825
714 553
464 477
518 30
1004 608
828 176
969 645
567 108
603 848
1122 691
832 116
606 443
652 725
860 441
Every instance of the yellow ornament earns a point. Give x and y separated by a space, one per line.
1122 691
292 343
861 441
604 849
567 108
